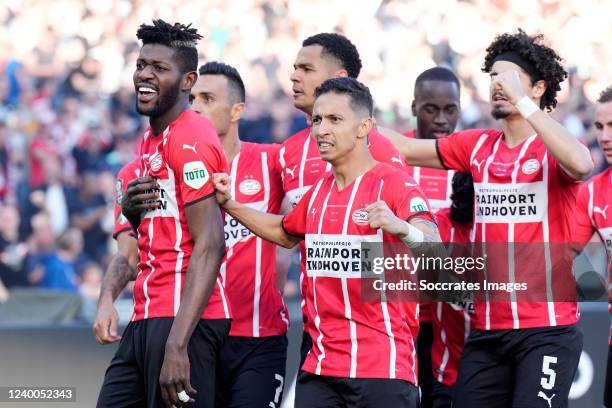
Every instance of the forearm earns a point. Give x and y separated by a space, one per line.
264 225
422 236
200 281
117 276
417 152
569 153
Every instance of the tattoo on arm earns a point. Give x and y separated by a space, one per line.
117 277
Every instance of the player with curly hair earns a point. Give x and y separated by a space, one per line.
525 348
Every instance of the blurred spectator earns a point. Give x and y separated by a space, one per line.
59 266
87 208
91 282
12 251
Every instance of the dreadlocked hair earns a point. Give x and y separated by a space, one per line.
532 48
181 38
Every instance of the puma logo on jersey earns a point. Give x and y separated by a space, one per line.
600 211
545 397
186 146
409 184
291 171
475 162
397 160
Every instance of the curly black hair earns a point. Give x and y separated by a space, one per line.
605 96
545 60
182 38
339 47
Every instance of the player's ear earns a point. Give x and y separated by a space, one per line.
413 107
189 80
237 111
341 73
538 89
364 127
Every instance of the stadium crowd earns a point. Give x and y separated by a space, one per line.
68 121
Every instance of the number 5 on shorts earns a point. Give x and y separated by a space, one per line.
548 380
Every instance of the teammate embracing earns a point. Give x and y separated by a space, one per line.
521 354
252 370
364 353
322 56
436 107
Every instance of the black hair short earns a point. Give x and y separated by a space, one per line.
340 48
232 75
361 98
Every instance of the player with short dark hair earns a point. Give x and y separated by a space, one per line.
436 107
322 56
522 353
339 48
594 200
363 351
252 369
181 315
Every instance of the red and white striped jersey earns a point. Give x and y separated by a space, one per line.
593 209
351 337
522 196
127 173
451 322
437 184
300 165
249 269
182 160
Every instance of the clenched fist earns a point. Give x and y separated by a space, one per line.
381 216
222 183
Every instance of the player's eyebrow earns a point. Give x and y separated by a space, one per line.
303 65
151 61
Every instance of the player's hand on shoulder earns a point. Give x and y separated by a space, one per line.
140 195
222 182
381 216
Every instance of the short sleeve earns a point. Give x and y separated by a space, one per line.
406 199
126 174
294 223
382 150
582 230
456 149
194 157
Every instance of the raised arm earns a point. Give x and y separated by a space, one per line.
573 157
264 225
417 152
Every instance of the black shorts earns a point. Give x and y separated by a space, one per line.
305 347
441 395
608 389
526 368
315 391
132 379
426 378
252 372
